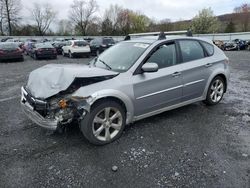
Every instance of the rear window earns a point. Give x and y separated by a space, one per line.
8 46
80 43
44 45
209 48
191 50
108 41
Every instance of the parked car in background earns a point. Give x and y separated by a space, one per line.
88 39
219 43
236 44
10 51
74 48
98 45
58 46
43 50
28 46
248 45
4 39
131 81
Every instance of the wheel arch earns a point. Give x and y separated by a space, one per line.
117 96
222 75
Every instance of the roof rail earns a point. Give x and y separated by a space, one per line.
162 35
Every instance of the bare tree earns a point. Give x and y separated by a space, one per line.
43 15
11 9
1 17
82 13
243 14
64 28
112 14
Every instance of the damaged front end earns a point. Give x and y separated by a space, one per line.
56 111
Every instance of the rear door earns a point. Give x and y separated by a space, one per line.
195 68
160 89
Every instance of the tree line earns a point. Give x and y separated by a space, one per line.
116 20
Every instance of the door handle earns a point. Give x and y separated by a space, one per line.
208 65
176 74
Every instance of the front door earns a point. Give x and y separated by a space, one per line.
160 89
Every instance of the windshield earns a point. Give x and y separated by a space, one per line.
121 56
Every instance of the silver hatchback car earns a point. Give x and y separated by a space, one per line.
130 81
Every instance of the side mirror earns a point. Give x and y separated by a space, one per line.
150 67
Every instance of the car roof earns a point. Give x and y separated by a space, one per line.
78 40
3 43
154 39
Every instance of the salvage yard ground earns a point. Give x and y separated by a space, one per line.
193 146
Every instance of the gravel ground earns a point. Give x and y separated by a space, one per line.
193 146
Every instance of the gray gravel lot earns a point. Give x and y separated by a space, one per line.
193 146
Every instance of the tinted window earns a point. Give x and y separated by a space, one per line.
164 56
209 48
43 45
108 41
80 43
191 50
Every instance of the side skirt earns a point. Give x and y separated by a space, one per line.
136 118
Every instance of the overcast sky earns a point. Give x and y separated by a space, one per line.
158 9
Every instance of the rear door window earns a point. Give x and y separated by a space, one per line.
191 50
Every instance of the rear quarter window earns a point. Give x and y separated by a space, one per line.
209 48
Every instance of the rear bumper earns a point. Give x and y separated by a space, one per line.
34 116
80 53
9 57
46 55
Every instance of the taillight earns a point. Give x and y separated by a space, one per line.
39 50
19 50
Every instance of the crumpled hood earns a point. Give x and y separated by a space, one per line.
50 79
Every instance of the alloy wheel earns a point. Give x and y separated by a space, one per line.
107 123
217 90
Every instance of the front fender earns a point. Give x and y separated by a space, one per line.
116 94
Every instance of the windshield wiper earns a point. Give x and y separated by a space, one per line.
105 64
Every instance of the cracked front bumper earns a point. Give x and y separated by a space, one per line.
29 111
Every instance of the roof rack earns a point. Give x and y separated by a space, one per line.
161 35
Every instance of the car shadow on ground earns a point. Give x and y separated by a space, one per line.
11 61
156 121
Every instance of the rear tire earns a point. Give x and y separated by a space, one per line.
215 91
97 52
35 56
104 124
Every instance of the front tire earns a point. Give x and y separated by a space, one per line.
104 123
215 91
70 54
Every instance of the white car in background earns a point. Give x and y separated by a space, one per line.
75 48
